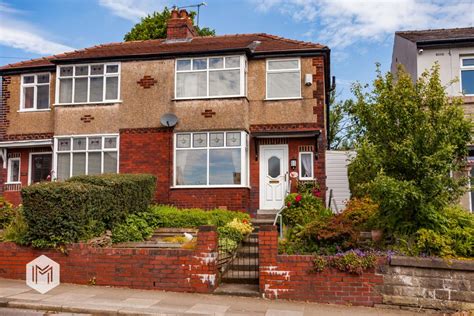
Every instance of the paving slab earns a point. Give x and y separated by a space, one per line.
102 300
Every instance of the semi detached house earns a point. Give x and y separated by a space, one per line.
251 113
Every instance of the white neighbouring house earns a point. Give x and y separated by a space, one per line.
453 50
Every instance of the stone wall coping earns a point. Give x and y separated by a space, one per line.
433 263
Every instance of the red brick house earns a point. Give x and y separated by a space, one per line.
251 112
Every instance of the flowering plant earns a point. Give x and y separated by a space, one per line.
353 261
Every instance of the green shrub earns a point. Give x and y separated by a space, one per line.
228 245
17 229
309 186
65 212
140 226
303 208
7 213
135 228
132 193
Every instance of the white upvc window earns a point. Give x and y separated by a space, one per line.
306 165
85 154
35 92
88 83
283 79
467 75
211 159
210 77
13 173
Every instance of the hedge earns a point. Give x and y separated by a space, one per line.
133 193
83 207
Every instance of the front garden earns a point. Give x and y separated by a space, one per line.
106 210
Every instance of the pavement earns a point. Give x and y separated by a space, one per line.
16 298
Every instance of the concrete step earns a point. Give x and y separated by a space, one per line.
240 277
244 264
250 241
266 217
258 222
249 290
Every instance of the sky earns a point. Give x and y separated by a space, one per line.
358 32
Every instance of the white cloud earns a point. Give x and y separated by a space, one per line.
344 22
18 34
132 10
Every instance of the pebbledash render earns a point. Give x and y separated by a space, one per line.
251 115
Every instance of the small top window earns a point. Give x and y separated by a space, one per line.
35 92
283 79
467 75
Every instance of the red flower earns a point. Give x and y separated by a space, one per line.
245 221
288 204
317 193
298 198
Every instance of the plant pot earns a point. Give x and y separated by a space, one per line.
376 235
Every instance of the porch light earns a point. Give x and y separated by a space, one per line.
293 164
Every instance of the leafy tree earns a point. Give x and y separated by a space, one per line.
411 138
154 26
339 124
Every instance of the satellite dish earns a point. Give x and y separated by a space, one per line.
169 120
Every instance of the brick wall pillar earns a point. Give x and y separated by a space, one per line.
204 268
267 251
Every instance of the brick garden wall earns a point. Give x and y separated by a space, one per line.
289 277
405 282
178 270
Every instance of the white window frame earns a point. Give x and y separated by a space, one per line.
267 70
9 175
73 77
87 150
244 159
461 68
30 165
242 68
300 165
35 93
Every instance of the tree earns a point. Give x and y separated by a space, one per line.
339 125
154 26
411 137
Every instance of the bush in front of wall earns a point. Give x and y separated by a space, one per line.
303 208
133 193
353 261
7 213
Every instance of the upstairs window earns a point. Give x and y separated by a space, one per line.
96 83
283 79
35 92
210 77
467 75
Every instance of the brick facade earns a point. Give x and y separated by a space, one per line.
289 277
178 270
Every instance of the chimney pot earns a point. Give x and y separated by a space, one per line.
183 13
180 26
174 14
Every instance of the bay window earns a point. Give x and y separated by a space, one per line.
210 77
211 159
95 83
467 75
283 79
34 92
91 154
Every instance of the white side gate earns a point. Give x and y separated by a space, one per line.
337 180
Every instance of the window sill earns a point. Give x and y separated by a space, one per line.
282 99
210 187
210 98
34 110
108 103
6 183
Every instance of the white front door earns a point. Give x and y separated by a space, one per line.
273 176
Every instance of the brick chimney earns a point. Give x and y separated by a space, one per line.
180 26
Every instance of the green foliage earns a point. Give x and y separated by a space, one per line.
354 262
339 136
132 193
64 212
303 208
7 213
135 228
154 26
140 226
410 138
309 187
17 229
228 245
455 237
